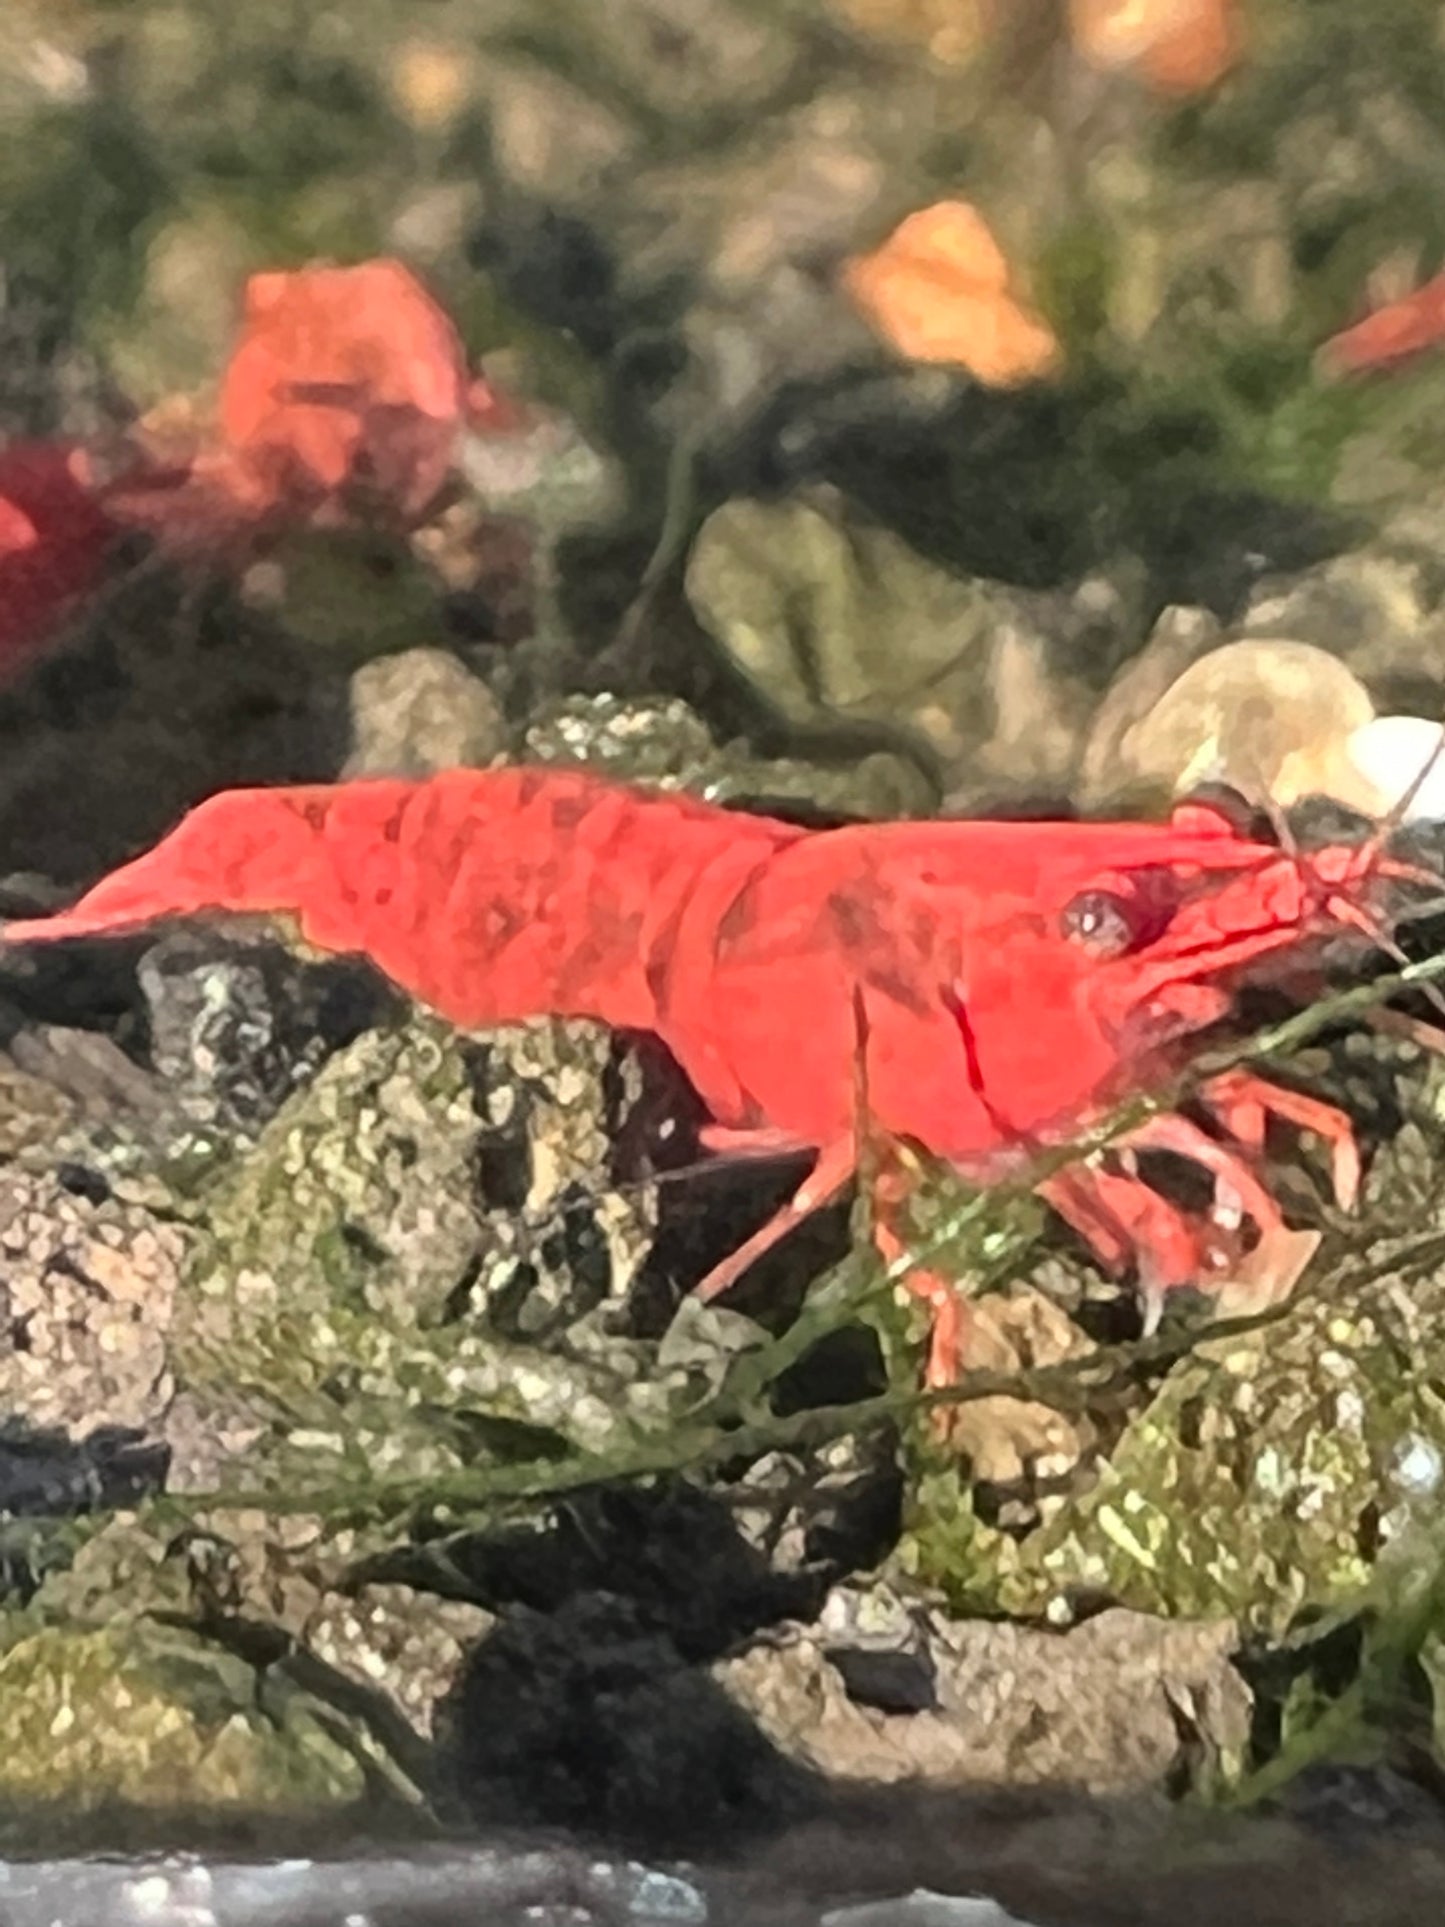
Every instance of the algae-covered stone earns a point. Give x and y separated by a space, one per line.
407 1643
358 1195
160 1719
1256 1482
392 1651
345 1285
236 1022
641 740
661 741
560 1239
837 622
1261 1474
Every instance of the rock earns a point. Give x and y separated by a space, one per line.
91 1081
1276 718
688 60
757 231
362 1185
952 33
432 81
408 1644
109 1126
641 740
560 1244
552 137
1397 760
587 1718
418 712
803 191
1099 1708
89 1292
941 289
45 61
1176 49
1377 607
1005 1440
835 1509
1180 636
181 328
1331 1402
156 1719
379 1265
542 467
387 1651
237 1024
33 1113
122 1570
1162 230
433 224
1262 1473
661 741
838 623
1264 718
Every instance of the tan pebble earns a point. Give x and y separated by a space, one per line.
431 83
1265 717
108 1268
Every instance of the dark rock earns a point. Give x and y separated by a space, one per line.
47 1474
237 1025
675 1556
589 1718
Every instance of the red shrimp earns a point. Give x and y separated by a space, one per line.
1007 983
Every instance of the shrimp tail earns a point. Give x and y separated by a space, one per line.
243 850
492 895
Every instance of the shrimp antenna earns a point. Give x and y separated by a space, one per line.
1426 907
1278 817
1377 934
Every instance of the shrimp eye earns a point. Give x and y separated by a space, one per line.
1099 921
